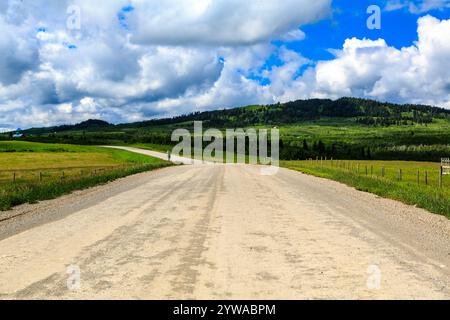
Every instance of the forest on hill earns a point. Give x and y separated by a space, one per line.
347 128
367 112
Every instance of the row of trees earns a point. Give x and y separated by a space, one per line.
318 149
398 120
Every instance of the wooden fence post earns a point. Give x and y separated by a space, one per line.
426 178
40 176
400 175
441 173
14 177
418 177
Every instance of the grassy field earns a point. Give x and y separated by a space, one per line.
414 183
30 172
346 130
152 147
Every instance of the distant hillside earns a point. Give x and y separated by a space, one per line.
347 128
85 125
365 112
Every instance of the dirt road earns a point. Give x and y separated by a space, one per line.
223 232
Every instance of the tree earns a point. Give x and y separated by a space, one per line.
321 147
315 146
333 150
305 145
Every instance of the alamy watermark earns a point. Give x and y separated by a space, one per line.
374 277
73 22
374 20
230 146
74 280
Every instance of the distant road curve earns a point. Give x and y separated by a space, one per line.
159 155
224 232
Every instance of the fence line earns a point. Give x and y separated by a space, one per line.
421 177
17 176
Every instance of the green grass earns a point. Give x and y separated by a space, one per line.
347 130
409 190
152 147
30 172
401 142
113 155
23 146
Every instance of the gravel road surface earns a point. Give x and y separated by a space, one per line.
223 232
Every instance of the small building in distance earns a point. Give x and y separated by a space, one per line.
18 134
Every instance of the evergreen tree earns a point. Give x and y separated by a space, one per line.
305 145
333 150
321 147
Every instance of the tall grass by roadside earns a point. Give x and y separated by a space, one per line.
12 194
430 197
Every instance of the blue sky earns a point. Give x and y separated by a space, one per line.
128 60
347 20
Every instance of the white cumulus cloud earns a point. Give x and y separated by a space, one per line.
367 68
134 59
417 6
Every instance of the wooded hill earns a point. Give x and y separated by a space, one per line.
346 128
365 112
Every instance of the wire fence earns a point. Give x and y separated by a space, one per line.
426 174
54 174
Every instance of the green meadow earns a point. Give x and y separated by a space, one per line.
30 172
